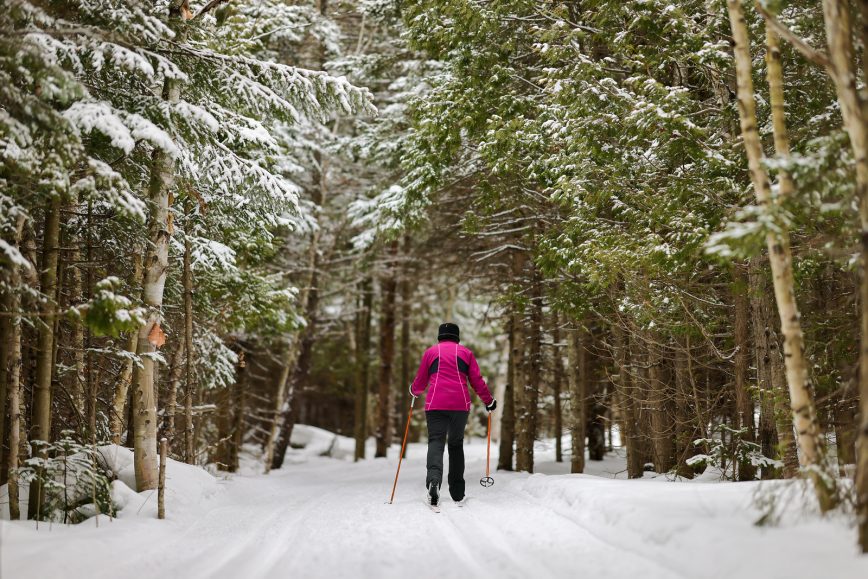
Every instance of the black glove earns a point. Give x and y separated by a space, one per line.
492 406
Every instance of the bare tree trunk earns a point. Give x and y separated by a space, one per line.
5 352
406 296
578 382
78 378
630 435
841 54
743 400
387 355
120 394
280 402
14 406
189 378
685 431
527 392
523 455
363 365
12 368
156 266
239 404
780 257
557 380
760 316
845 419
40 426
507 420
172 402
661 417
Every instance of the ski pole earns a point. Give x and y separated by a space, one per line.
403 446
487 481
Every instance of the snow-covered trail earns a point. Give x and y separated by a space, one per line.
330 518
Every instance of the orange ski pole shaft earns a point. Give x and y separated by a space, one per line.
403 446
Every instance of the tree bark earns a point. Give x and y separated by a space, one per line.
189 378
82 403
578 383
507 419
280 402
155 270
780 257
40 425
685 431
387 355
406 307
239 409
845 419
120 395
743 399
363 365
661 416
5 351
527 392
172 402
841 54
635 457
12 370
557 380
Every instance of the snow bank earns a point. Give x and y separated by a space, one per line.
308 441
186 485
701 530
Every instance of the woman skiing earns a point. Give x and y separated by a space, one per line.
446 366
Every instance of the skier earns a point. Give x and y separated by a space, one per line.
445 366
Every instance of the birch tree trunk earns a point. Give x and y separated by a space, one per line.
841 54
780 257
155 269
150 335
40 426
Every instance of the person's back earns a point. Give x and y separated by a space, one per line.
445 370
447 366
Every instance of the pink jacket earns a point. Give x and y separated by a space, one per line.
446 366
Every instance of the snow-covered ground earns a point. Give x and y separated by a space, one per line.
328 517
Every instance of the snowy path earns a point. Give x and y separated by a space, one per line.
329 518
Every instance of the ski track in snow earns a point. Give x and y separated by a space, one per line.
327 518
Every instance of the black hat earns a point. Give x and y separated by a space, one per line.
448 332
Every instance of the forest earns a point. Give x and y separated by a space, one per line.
226 222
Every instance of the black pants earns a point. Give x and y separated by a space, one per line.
443 426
